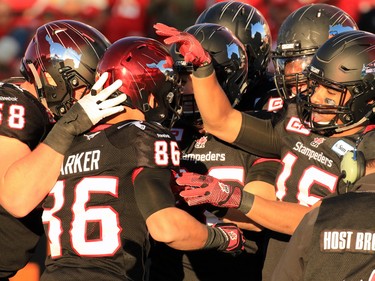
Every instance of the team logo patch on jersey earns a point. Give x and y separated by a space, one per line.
91 136
275 104
341 147
201 143
317 141
295 125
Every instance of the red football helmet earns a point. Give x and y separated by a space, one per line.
145 67
62 57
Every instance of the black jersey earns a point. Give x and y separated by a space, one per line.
310 167
344 246
310 162
91 216
21 117
205 154
336 240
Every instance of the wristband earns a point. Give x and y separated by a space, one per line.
63 132
58 139
247 201
203 71
215 239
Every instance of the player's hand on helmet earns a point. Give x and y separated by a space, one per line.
201 189
230 236
85 113
190 48
98 104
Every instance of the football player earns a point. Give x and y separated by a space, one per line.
338 235
114 187
205 154
300 35
25 122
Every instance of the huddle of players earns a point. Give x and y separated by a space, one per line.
82 212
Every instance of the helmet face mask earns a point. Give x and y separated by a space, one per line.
61 58
146 68
300 36
290 75
343 65
340 113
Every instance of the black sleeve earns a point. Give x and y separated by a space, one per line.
291 264
153 190
259 137
264 169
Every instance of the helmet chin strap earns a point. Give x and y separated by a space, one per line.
361 121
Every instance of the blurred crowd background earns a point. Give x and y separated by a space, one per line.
119 18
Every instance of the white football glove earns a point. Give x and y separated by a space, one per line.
85 113
97 105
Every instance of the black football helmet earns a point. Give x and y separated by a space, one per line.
300 36
250 27
60 58
145 67
345 63
228 57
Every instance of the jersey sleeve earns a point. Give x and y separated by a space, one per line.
153 190
258 136
22 116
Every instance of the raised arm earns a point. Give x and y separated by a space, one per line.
219 118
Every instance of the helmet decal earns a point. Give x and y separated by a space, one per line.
162 65
233 51
338 28
60 53
258 27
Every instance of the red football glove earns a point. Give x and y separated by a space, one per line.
190 48
211 191
234 237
